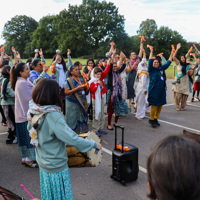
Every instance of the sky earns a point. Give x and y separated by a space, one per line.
180 15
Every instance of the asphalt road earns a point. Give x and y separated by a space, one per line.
94 183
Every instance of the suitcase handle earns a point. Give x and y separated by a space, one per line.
121 127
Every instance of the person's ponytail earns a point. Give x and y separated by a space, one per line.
15 73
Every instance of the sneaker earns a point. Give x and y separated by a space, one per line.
156 122
192 100
11 141
98 134
152 122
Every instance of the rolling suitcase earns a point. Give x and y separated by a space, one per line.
124 160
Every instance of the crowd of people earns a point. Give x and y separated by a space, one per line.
45 111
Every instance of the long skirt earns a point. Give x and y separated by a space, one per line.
119 106
130 84
56 186
75 118
26 149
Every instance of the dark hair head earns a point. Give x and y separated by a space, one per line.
43 94
5 62
97 61
159 61
5 71
77 63
90 59
173 169
35 62
15 73
70 69
29 60
97 70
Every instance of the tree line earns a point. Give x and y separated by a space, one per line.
87 30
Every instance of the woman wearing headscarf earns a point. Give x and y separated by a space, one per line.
141 89
181 84
75 101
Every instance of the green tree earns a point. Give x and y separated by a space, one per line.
17 32
91 24
165 37
45 36
147 28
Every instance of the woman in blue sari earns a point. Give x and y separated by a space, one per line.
75 101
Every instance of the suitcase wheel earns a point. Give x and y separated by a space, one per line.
123 182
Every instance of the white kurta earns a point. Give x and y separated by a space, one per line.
141 86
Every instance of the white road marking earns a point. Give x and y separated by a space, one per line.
193 105
4 133
168 105
110 153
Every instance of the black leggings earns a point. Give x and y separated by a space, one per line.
194 93
2 115
90 109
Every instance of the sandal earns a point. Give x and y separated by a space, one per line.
31 164
23 162
110 128
178 109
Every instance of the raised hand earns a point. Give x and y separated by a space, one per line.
68 52
178 46
40 52
13 50
18 55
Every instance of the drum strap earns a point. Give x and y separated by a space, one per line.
77 155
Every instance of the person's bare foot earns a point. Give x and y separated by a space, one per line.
138 118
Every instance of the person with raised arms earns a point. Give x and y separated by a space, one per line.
157 86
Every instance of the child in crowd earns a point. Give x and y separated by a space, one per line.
98 90
141 88
50 138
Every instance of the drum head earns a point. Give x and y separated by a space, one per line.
95 158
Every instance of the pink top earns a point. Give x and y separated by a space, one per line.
23 94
